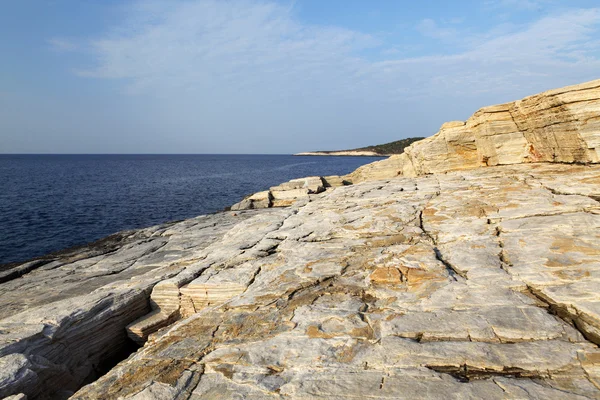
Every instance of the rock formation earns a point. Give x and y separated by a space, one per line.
354 153
480 282
560 125
288 193
385 150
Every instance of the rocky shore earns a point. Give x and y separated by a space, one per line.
381 150
343 153
467 267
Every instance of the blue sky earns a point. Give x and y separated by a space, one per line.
261 76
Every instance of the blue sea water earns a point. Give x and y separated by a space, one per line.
51 202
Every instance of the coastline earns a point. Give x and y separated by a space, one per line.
112 193
338 279
343 153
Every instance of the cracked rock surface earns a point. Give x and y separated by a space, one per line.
63 319
471 284
479 281
560 125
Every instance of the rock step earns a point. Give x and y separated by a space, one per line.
557 126
139 330
288 193
207 294
165 296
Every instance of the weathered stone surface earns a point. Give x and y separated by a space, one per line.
284 195
245 204
140 329
64 320
16 374
257 200
285 198
471 284
313 184
335 181
289 193
561 125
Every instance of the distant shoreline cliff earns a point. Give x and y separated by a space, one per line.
348 153
380 150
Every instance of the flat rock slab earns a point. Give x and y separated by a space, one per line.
559 125
470 284
63 319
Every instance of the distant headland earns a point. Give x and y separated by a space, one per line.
380 150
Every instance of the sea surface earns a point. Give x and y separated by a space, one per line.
52 202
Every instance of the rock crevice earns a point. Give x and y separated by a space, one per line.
478 282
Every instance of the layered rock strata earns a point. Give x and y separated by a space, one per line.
63 322
561 125
476 284
288 193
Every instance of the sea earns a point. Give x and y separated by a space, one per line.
53 202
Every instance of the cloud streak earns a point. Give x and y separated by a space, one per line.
254 61
549 52
231 45
61 45
428 27
530 5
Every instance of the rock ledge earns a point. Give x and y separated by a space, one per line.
467 267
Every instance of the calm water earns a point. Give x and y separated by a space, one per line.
51 202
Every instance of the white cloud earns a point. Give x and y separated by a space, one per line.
430 28
260 46
548 53
61 45
530 5
210 44
252 63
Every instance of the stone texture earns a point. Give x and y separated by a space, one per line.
471 284
257 200
561 125
284 195
69 317
313 184
335 181
430 277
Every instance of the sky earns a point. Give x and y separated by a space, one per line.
273 76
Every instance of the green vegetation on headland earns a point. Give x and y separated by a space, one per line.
396 147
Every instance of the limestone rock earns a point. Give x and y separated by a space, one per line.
290 192
140 329
410 283
473 284
284 198
16 374
313 184
245 204
385 169
561 125
257 200
283 195
335 181
69 318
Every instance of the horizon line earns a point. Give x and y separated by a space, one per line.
170 154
